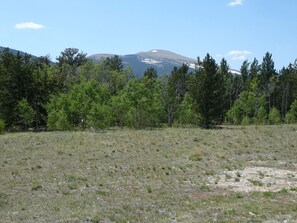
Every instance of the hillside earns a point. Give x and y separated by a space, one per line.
163 61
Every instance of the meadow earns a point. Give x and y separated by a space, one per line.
231 174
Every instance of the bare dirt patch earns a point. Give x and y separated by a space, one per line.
256 179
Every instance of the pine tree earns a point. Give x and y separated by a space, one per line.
207 90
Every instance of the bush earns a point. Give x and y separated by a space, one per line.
274 116
57 120
185 113
2 126
26 114
99 116
291 116
261 116
245 120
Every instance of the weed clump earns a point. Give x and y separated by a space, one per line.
196 156
36 185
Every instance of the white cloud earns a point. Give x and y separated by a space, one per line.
29 25
239 54
235 2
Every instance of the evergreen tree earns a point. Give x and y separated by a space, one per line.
150 73
267 79
267 69
224 70
207 90
287 88
244 70
176 89
114 63
254 69
69 61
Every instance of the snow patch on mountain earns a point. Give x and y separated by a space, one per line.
192 66
150 61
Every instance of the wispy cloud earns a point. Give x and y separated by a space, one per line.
29 25
235 2
239 54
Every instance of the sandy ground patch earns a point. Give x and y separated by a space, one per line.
256 179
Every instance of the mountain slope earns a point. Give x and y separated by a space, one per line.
163 61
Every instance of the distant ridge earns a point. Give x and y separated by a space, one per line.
15 52
162 60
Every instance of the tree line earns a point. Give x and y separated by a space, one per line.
78 93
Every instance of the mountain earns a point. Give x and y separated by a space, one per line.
163 61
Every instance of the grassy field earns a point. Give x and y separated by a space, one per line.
233 174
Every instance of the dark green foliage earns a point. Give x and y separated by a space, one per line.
21 77
144 98
72 57
99 116
261 117
287 88
291 116
267 69
68 62
26 114
58 120
84 106
150 73
114 63
2 126
244 70
207 89
274 116
78 93
247 105
185 113
174 91
254 69
245 120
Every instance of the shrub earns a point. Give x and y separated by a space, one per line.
245 120
261 117
274 116
26 114
99 116
185 113
57 120
2 126
291 116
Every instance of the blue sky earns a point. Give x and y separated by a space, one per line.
234 29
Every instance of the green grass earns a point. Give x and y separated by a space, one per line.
143 176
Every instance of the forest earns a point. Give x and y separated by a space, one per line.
78 93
